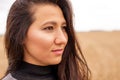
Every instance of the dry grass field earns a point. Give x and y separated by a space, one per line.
3 60
101 50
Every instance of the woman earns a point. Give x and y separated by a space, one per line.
41 44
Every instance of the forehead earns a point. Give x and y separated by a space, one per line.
44 8
46 12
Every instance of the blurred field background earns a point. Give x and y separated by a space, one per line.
101 50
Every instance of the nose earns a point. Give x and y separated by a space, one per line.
61 37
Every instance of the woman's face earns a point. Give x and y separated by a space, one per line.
46 37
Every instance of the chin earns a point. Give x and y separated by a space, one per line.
57 61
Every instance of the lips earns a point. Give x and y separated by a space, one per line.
57 51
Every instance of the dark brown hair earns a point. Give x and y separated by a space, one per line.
73 65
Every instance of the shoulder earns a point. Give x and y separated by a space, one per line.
9 77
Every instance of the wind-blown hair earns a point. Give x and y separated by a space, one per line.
73 65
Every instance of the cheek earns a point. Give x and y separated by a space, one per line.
66 35
39 42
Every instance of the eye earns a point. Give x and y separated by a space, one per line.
64 28
48 28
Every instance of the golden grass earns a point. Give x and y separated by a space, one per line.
3 60
101 50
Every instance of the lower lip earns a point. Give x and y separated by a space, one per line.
58 52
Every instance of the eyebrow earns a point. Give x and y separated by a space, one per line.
53 23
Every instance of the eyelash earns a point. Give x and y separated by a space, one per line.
49 28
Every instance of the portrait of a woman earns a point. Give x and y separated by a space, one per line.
41 44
